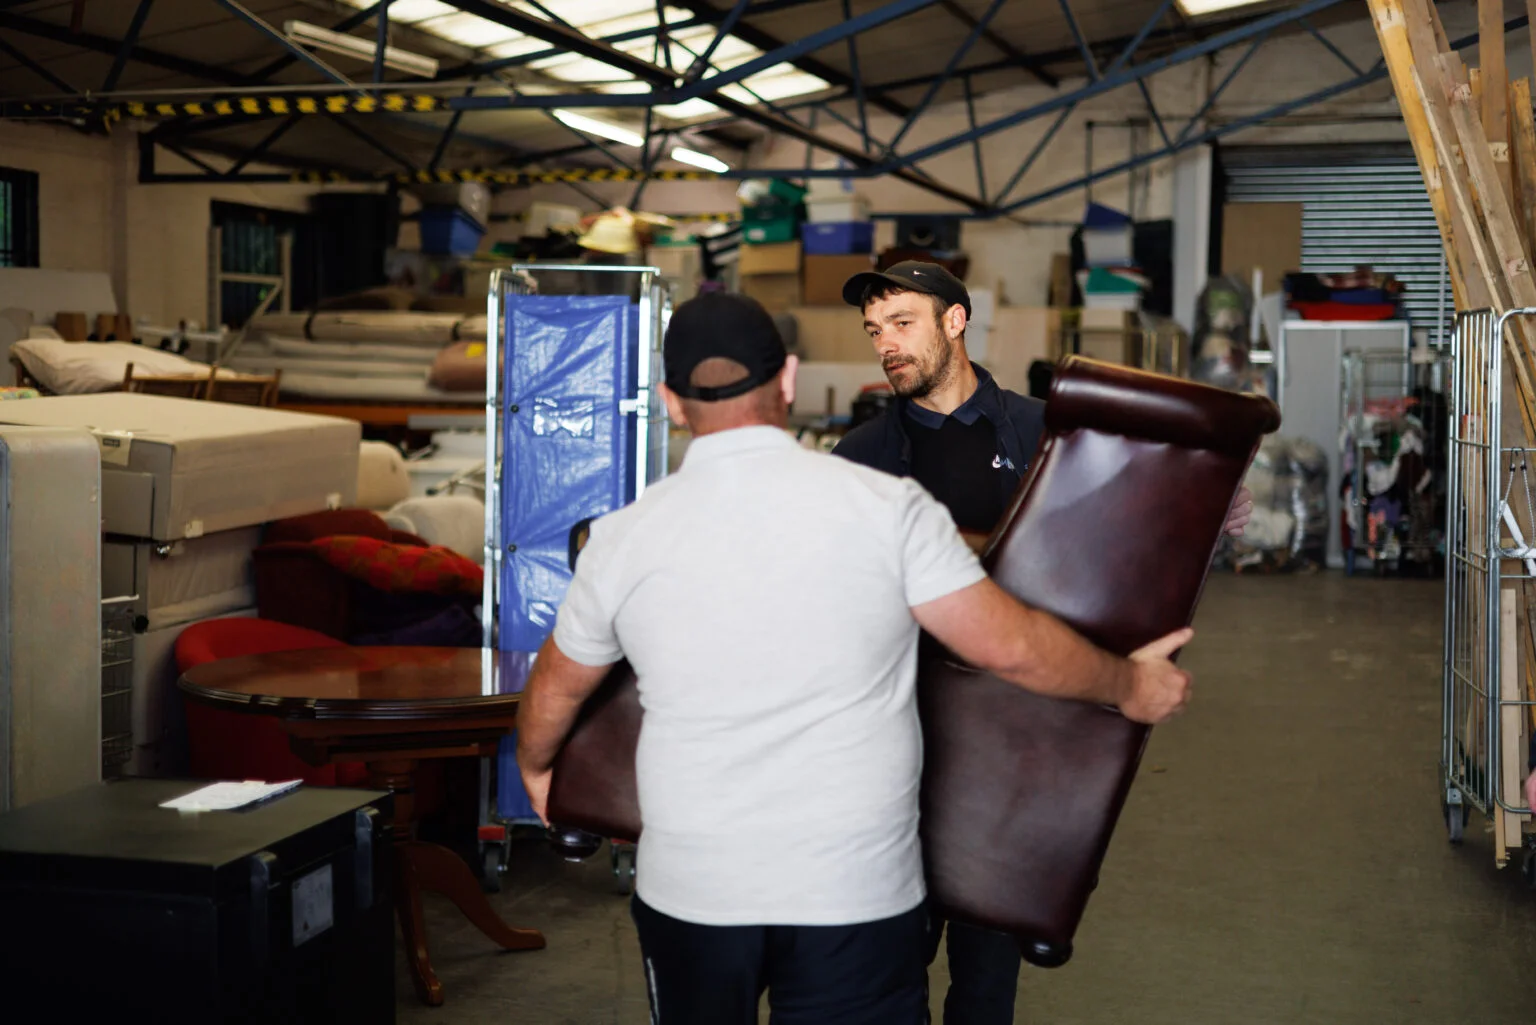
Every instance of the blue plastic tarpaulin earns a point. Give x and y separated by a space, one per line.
565 445
567 456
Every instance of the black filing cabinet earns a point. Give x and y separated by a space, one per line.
115 909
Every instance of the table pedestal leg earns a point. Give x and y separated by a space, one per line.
425 866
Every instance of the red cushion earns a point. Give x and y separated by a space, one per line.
400 568
358 522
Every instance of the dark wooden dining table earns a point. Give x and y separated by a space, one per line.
391 708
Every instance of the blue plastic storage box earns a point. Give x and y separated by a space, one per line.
842 238
449 231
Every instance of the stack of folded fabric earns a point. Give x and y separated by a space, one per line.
1361 294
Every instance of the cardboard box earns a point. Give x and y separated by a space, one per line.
1262 235
777 292
779 258
1061 281
824 277
833 334
1020 335
72 327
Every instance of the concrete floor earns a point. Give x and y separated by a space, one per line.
1281 860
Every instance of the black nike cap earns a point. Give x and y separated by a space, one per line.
721 325
910 276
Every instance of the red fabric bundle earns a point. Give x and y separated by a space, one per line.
401 568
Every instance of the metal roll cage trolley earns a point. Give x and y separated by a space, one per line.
1488 731
575 428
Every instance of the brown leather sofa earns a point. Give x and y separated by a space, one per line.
1113 532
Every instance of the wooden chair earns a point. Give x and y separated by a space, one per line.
176 386
246 390
24 378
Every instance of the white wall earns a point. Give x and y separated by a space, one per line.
95 216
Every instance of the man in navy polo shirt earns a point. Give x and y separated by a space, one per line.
968 442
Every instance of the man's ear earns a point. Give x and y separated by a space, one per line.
955 320
674 406
787 378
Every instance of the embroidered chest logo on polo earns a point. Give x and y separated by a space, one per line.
998 462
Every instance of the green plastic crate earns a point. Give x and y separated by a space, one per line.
761 233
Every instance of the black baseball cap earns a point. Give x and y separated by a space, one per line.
721 325
910 276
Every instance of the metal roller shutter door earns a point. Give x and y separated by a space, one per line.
1356 209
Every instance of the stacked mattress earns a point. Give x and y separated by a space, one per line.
366 356
185 489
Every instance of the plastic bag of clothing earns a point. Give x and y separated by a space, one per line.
1220 341
1289 528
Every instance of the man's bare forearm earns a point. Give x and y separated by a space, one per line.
552 699
988 628
1051 658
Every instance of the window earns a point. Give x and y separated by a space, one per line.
18 218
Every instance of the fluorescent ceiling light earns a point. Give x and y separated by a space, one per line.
696 107
592 126
470 30
1196 8
305 34
697 159
409 12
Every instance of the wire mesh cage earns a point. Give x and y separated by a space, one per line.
116 684
1395 461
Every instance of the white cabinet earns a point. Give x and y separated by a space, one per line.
1309 361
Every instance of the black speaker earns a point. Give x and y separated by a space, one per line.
942 233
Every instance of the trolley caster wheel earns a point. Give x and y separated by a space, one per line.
1456 816
624 870
490 869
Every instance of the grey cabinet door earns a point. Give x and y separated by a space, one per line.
1310 390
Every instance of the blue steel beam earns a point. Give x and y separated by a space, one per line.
371 141
36 68
1082 42
701 63
1209 135
1139 38
970 115
948 72
663 38
381 34
281 40
346 24
1125 76
861 101
1210 101
503 63
129 42
1034 154
264 145
1157 119
789 52
1330 47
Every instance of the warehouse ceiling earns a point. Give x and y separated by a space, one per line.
197 51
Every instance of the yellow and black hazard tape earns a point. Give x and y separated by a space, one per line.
241 106
497 176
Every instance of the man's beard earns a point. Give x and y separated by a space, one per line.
930 373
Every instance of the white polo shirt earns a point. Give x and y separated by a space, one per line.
763 595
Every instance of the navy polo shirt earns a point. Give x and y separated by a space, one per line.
971 460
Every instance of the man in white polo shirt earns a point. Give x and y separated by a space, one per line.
770 599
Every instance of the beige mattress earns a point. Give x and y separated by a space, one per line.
185 580
372 389
279 346
254 361
177 468
382 326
